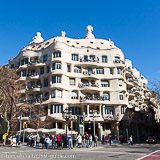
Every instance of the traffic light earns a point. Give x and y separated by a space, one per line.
24 124
81 120
72 124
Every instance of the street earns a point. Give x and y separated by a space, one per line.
120 152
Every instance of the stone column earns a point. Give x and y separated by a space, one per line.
88 110
49 107
56 125
100 110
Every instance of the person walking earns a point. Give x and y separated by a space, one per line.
95 140
79 139
110 139
47 141
70 142
131 140
4 138
90 140
17 139
87 140
74 140
37 140
58 141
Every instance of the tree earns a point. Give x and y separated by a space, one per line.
10 96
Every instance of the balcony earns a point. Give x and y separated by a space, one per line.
34 75
33 87
86 85
89 73
109 117
92 60
91 98
36 63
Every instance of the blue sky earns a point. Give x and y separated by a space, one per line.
133 25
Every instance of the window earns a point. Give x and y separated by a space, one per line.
104 83
51 109
23 73
74 57
109 110
45 82
44 58
106 96
120 82
12 66
121 96
123 108
77 69
57 108
47 69
72 81
56 79
22 62
74 95
104 59
42 70
56 66
92 58
26 61
100 71
56 54
68 68
117 60
46 96
118 71
75 110
56 94
111 71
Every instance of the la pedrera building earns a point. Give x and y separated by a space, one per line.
89 76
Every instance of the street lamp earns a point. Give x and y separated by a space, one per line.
67 115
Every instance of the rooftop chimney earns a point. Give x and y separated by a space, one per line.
63 33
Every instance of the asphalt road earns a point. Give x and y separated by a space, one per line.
119 152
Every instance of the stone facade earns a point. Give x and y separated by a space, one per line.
87 75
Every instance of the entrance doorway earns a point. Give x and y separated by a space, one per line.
89 129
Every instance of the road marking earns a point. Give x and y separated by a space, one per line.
113 152
148 155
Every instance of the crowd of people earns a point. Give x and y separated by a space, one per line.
61 141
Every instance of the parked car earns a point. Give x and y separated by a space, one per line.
151 139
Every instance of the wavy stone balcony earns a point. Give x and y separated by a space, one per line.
33 75
88 61
88 86
35 88
92 99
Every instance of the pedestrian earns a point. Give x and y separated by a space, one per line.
34 137
83 140
17 139
43 141
29 139
70 142
62 140
131 140
90 140
58 141
110 139
74 140
121 139
79 139
87 140
37 140
4 138
47 141
95 140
